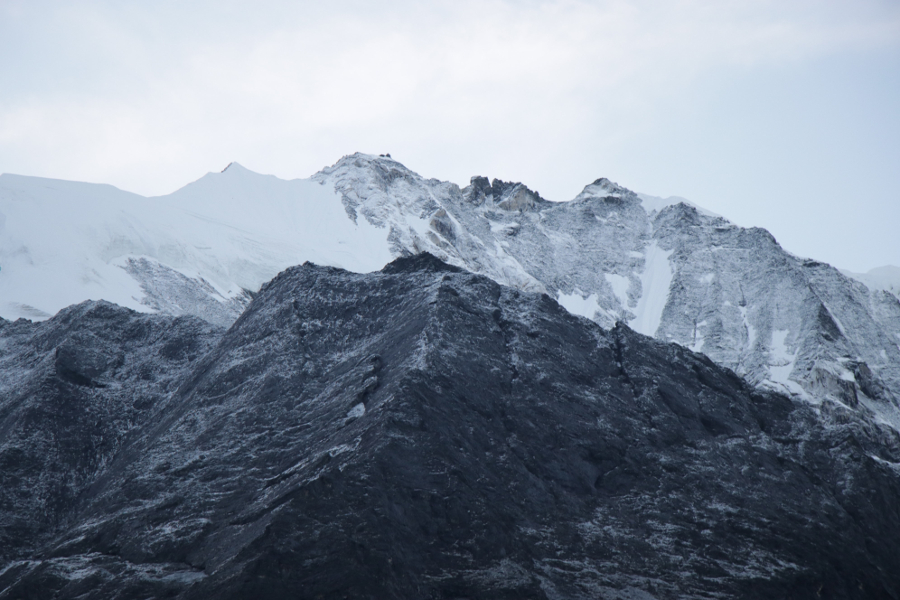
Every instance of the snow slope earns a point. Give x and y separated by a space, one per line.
663 266
886 278
195 251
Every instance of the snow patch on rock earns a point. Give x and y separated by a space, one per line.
579 304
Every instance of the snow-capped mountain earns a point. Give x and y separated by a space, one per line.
663 266
197 251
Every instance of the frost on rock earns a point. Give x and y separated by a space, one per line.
667 268
664 266
424 432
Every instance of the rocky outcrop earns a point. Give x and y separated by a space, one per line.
667 268
71 389
424 432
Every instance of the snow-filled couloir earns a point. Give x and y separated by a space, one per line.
663 266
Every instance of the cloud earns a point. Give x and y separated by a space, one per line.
149 97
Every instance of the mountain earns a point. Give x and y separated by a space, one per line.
421 432
201 250
666 268
885 278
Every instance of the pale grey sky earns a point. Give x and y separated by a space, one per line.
784 115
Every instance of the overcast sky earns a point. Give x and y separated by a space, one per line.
784 115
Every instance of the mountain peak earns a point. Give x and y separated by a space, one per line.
508 195
235 167
379 170
604 188
423 262
362 158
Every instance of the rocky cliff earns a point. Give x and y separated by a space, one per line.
422 432
663 266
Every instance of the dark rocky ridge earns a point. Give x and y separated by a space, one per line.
508 195
783 323
423 432
70 390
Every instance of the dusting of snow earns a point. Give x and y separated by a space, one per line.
619 286
341 449
893 465
884 414
501 227
654 204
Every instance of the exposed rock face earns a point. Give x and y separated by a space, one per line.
172 293
663 266
70 390
423 432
